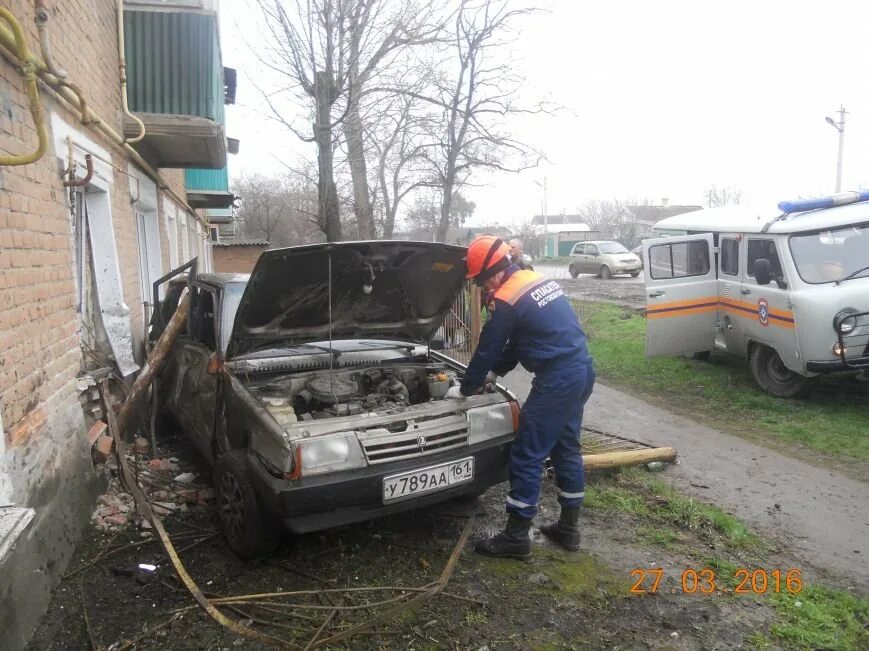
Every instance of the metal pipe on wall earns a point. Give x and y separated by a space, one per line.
15 42
122 63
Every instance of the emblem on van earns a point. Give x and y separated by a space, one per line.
763 312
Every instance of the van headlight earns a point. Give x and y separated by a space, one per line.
485 423
330 453
845 321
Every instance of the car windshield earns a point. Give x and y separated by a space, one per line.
832 255
232 293
612 247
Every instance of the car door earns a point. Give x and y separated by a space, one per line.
682 291
731 330
576 257
589 259
196 399
767 313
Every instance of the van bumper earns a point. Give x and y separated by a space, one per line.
837 365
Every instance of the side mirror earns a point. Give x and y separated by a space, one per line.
762 271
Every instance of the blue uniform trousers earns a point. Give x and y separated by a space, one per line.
549 426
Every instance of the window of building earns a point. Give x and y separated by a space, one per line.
729 256
679 260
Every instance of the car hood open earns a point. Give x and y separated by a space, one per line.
381 289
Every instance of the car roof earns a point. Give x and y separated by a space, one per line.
747 219
222 279
598 242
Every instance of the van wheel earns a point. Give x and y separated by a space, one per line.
702 356
605 272
634 274
573 272
773 376
241 518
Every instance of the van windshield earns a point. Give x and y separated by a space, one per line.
831 255
612 247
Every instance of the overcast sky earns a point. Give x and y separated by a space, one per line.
660 99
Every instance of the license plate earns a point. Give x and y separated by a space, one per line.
428 480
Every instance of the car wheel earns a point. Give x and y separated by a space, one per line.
634 274
573 272
773 376
605 272
241 518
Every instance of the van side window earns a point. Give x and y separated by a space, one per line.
758 249
729 256
679 260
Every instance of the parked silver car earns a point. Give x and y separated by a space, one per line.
603 258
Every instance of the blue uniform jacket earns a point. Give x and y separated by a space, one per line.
533 324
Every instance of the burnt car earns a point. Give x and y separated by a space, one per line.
311 387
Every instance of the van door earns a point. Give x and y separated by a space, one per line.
682 290
731 331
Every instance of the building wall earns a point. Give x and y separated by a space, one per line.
236 259
44 460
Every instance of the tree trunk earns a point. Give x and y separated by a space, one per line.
329 214
446 206
359 173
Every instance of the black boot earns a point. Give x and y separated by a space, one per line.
566 531
513 542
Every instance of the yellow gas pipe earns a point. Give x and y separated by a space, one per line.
29 65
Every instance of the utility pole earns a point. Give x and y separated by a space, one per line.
840 127
545 218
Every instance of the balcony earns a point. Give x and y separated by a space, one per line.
176 83
209 189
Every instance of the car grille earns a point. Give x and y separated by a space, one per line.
418 437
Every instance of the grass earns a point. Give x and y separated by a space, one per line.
832 419
667 512
821 618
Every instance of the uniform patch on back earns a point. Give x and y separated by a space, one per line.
442 267
547 293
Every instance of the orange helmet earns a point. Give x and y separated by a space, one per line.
487 255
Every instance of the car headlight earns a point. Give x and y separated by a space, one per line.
485 423
845 321
329 453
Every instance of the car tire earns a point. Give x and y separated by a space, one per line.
605 272
573 272
242 519
634 274
773 376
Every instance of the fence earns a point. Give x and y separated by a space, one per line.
460 330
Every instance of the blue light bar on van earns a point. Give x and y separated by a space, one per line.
841 199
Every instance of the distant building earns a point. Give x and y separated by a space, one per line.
237 256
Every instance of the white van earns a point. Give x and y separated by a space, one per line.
787 290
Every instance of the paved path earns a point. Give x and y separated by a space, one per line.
821 515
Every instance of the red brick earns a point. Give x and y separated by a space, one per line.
103 448
96 431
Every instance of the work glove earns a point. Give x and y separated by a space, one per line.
491 377
455 393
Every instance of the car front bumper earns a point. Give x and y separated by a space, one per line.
340 498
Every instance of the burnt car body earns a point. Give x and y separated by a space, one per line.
311 388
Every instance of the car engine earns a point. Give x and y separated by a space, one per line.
374 390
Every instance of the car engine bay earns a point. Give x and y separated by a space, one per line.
319 395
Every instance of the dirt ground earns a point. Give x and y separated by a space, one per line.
559 600
621 290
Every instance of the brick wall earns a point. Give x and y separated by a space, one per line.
44 451
236 258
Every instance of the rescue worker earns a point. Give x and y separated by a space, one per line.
533 324
518 256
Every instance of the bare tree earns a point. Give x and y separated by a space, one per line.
475 96
327 50
279 209
717 196
618 219
397 139
424 218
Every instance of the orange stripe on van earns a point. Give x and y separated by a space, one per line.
686 311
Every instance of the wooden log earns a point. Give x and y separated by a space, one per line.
627 458
152 365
